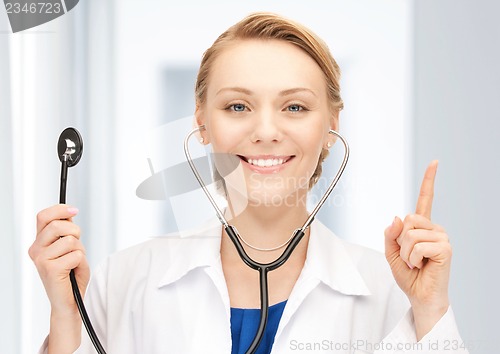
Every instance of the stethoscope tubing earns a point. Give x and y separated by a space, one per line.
232 232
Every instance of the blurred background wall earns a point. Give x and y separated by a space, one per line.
457 120
420 82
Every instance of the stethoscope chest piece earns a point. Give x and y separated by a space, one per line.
70 146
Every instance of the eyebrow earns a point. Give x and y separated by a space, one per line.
237 89
282 93
295 90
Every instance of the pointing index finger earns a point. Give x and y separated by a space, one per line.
424 203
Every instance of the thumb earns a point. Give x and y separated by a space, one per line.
391 233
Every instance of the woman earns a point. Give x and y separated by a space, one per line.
267 94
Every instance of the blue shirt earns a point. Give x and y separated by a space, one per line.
244 324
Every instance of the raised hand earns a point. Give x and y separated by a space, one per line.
419 254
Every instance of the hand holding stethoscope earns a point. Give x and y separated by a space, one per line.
59 256
419 255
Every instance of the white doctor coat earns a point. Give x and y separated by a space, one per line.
168 295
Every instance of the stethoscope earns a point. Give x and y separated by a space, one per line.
264 268
70 149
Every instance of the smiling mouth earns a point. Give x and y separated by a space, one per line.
267 161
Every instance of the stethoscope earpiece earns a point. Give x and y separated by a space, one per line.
70 146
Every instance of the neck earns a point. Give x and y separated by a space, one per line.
266 226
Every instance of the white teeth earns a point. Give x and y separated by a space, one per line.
266 162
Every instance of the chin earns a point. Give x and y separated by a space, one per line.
277 198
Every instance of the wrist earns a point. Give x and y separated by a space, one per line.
65 332
427 315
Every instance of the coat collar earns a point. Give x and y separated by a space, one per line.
194 249
328 259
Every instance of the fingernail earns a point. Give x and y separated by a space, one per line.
73 211
394 221
409 265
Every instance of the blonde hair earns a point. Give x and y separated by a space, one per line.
267 26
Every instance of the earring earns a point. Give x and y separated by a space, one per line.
202 140
328 145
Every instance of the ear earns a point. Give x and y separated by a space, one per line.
199 121
198 115
334 125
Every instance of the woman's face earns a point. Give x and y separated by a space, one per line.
267 108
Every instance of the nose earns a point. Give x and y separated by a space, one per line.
266 128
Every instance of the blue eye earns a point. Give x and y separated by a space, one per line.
295 108
237 107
